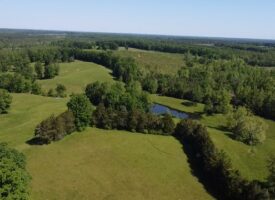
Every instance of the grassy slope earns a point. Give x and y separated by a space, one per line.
101 164
250 161
155 61
27 111
76 75
96 163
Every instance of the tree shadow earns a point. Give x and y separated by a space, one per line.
35 142
195 164
195 115
189 103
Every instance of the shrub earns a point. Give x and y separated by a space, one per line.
55 128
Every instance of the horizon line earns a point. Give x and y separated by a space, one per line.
145 34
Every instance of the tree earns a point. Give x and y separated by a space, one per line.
246 127
51 71
14 178
168 124
5 101
96 92
51 93
81 107
55 128
250 131
60 90
36 88
39 69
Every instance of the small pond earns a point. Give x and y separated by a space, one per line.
161 109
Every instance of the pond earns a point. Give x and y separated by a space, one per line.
161 109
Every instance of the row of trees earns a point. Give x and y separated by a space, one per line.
5 101
216 166
47 71
14 178
135 120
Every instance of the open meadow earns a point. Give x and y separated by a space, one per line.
96 163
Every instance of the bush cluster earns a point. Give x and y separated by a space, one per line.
55 128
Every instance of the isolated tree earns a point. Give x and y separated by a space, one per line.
51 93
81 107
246 127
60 90
5 101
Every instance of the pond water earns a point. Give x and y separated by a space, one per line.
161 109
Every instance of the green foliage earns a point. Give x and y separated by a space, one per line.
216 165
39 69
246 127
5 101
55 128
135 120
116 95
36 88
60 90
81 108
218 102
15 83
14 178
51 71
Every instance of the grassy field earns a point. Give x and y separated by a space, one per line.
76 75
98 164
154 61
26 112
250 161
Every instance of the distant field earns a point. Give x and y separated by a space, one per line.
154 61
76 75
250 161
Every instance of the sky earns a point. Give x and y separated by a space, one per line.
213 18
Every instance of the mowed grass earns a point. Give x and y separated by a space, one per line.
100 164
251 161
76 75
97 164
26 112
154 61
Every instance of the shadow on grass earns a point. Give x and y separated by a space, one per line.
195 115
35 142
197 170
189 103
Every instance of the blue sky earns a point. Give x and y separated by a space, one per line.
223 18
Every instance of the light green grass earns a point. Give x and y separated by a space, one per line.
76 75
250 161
154 61
99 164
26 112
